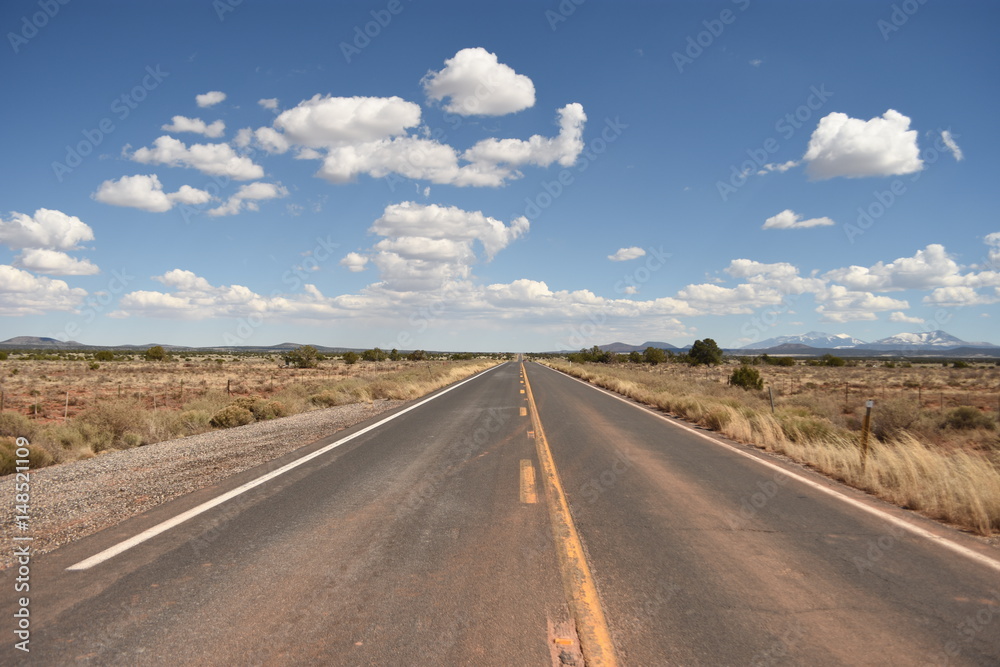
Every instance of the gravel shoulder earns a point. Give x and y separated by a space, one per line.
72 500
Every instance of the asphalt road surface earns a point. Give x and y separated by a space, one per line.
512 523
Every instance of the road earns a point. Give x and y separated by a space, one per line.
426 538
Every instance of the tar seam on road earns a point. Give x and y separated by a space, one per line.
149 533
591 626
982 559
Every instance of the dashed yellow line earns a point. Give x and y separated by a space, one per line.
528 494
592 628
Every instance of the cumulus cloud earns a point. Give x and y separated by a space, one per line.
839 304
210 98
949 142
537 150
780 276
959 296
326 122
354 262
144 191
54 262
22 293
213 159
929 268
270 103
247 196
903 318
426 246
855 148
48 228
197 125
789 219
625 254
477 84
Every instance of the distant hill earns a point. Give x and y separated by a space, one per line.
38 342
937 340
625 348
816 339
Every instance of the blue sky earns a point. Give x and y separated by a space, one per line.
498 176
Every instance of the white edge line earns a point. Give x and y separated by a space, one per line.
905 525
149 533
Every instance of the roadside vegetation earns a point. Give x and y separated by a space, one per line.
73 406
935 444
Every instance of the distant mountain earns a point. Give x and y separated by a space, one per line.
812 339
937 340
624 348
39 342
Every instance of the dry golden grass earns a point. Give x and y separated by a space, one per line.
73 411
942 472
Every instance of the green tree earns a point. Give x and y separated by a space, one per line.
374 354
104 355
302 357
705 352
654 355
417 355
394 355
746 377
830 360
351 358
635 357
156 353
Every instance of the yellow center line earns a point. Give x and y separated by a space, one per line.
528 494
591 626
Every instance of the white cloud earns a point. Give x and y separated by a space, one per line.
48 228
326 122
789 219
993 254
839 304
54 262
22 293
756 62
855 148
270 103
959 296
427 246
477 84
197 125
537 150
949 142
354 262
213 159
929 268
781 167
625 254
712 299
210 98
145 192
903 318
781 276
247 196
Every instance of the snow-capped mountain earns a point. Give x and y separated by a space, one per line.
927 339
812 339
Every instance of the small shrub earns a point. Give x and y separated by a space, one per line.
38 457
116 419
104 355
746 377
232 416
967 417
893 416
351 358
94 366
